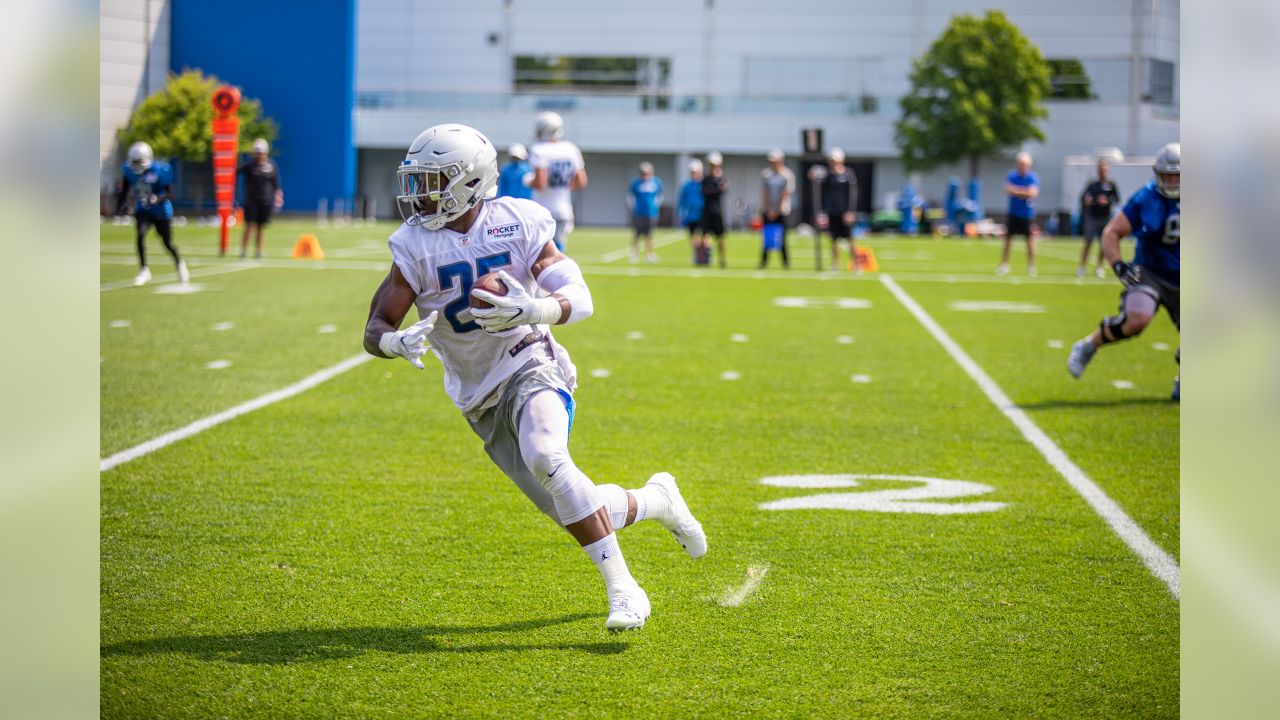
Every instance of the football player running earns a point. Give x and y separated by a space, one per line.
1151 280
150 183
558 170
502 368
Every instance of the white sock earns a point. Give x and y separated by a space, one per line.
607 556
651 504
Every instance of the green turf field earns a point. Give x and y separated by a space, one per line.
351 552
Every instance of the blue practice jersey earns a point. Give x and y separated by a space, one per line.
1022 207
1157 228
647 195
155 180
690 202
511 180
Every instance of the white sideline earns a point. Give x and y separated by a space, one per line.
1157 560
205 423
658 242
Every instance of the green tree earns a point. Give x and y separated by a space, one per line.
978 90
176 121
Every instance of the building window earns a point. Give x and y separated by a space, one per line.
1069 80
636 74
1161 88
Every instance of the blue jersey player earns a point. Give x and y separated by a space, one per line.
1151 280
150 183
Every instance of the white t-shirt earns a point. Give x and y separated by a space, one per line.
562 160
441 266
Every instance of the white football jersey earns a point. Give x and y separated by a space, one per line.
441 266
563 160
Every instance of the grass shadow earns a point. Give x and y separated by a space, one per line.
321 644
1081 404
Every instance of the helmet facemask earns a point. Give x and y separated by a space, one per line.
1169 184
447 172
434 196
1168 169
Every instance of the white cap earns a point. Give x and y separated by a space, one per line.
775 155
261 146
646 167
715 158
695 165
835 155
517 150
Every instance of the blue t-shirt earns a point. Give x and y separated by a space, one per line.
647 195
1022 207
690 202
511 180
155 180
1158 229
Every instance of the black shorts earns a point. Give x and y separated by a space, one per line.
694 226
1020 226
1164 292
259 213
145 221
837 228
713 224
1091 227
642 223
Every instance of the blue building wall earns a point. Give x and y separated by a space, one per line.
298 58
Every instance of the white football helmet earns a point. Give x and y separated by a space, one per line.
548 126
1168 169
140 157
452 166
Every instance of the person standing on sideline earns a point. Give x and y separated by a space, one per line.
558 170
517 174
150 183
503 369
839 200
1096 205
262 195
689 211
777 186
714 187
644 198
1022 186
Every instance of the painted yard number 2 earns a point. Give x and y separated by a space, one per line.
896 500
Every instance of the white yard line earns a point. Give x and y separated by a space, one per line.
755 576
660 241
173 276
205 423
1157 560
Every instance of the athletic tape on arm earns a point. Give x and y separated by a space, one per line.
565 279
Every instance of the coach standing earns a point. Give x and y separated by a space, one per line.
262 195
1022 186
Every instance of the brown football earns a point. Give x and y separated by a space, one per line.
489 283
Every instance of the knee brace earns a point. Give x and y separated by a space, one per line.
1112 328
574 494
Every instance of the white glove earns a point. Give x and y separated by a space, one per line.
517 307
410 343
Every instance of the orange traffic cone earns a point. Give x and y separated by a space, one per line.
308 247
865 258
